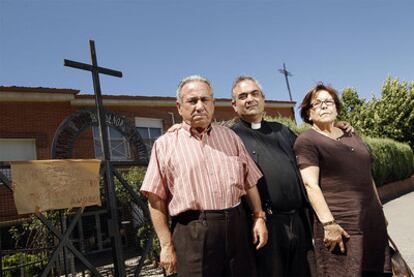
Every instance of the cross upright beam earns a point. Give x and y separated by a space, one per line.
287 74
113 218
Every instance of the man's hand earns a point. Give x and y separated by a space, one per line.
159 217
168 259
345 126
260 235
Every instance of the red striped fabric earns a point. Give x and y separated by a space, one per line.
191 171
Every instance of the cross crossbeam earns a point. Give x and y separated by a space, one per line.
89 67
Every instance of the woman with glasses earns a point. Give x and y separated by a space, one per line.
350 233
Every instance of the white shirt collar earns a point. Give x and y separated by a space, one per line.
256 126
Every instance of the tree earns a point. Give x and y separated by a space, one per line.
391 115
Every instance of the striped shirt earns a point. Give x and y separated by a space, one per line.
193 171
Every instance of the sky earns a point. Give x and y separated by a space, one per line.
350 43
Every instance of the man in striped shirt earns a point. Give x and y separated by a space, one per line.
197 175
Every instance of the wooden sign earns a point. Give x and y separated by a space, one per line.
42 185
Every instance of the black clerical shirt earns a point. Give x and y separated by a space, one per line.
271 149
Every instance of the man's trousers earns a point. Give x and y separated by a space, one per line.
213 243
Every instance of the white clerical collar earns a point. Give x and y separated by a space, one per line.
256 126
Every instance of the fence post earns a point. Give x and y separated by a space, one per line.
1 258
21 265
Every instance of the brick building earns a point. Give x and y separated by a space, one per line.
29 118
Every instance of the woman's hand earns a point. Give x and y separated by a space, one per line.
333 237
345 126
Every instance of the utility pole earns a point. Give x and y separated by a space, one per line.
287 74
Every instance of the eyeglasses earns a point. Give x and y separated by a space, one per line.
318 103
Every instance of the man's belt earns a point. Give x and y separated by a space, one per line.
190 215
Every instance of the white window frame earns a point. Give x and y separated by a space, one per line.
147 122
33 154
96 142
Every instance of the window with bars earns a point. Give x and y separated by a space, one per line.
150 129
118 145
149 135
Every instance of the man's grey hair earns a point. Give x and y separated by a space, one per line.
188 79
242 78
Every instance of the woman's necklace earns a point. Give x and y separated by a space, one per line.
334 134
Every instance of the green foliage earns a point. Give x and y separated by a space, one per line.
390 116
10 264
134 177
144 234
32 233
351 100
352 107
289 123
393 161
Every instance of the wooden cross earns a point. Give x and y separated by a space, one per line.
113 218
95 69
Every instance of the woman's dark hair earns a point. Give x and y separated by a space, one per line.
307 105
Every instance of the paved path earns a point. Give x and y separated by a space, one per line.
400 215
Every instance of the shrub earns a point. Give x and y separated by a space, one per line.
393 160
30 264
289 123
135 177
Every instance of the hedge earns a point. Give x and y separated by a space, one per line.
393 161
14 265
